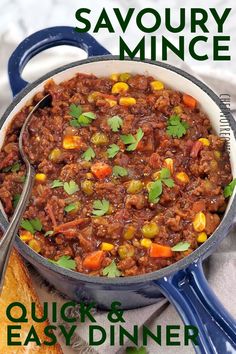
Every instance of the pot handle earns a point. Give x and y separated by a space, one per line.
190 293
44 39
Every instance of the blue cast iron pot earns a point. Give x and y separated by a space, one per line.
183 283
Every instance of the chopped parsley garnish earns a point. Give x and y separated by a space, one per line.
115 123
48 233
57 183
70 207
100 207
31 225
80 119
132 140
16 199
228 190
155 191
111 271
13 168
65 262
176 127
165 177
113 150
89 154
181 246
119 171
71 187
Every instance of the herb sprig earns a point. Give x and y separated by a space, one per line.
132 140
65 262
176 127
100 207
80 118
31 225
111 271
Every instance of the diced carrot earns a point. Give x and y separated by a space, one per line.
189 101
69 225
101 170
160 251
93 261
197 146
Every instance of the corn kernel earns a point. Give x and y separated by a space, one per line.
199 222
127 101
40 177
202 237
55 154
89 175
124 77
182 177
105 246
71 142
155 176
112 103
26 236
99 138
217 154
35 245
93 96
146 242
120 87
129 232
157 85
169 164
178 110
114 77
204 141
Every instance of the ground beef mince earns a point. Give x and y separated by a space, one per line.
129 178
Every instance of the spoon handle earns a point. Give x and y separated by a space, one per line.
7 240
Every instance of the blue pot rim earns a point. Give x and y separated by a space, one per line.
200 253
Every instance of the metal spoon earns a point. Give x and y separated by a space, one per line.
7 240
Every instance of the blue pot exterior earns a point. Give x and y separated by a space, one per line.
182 283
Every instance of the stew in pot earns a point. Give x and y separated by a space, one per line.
130 177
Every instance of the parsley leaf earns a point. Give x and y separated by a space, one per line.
89 154
169 182
31 225
113 150
176 127
16 199
71 187
111 271
13 168
70 207
100 207
181 246
155 192
119 171
228 190
75 111
57 183
80 119
65 262
131 140
115 123
165 177
165 173
48 233
135 350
